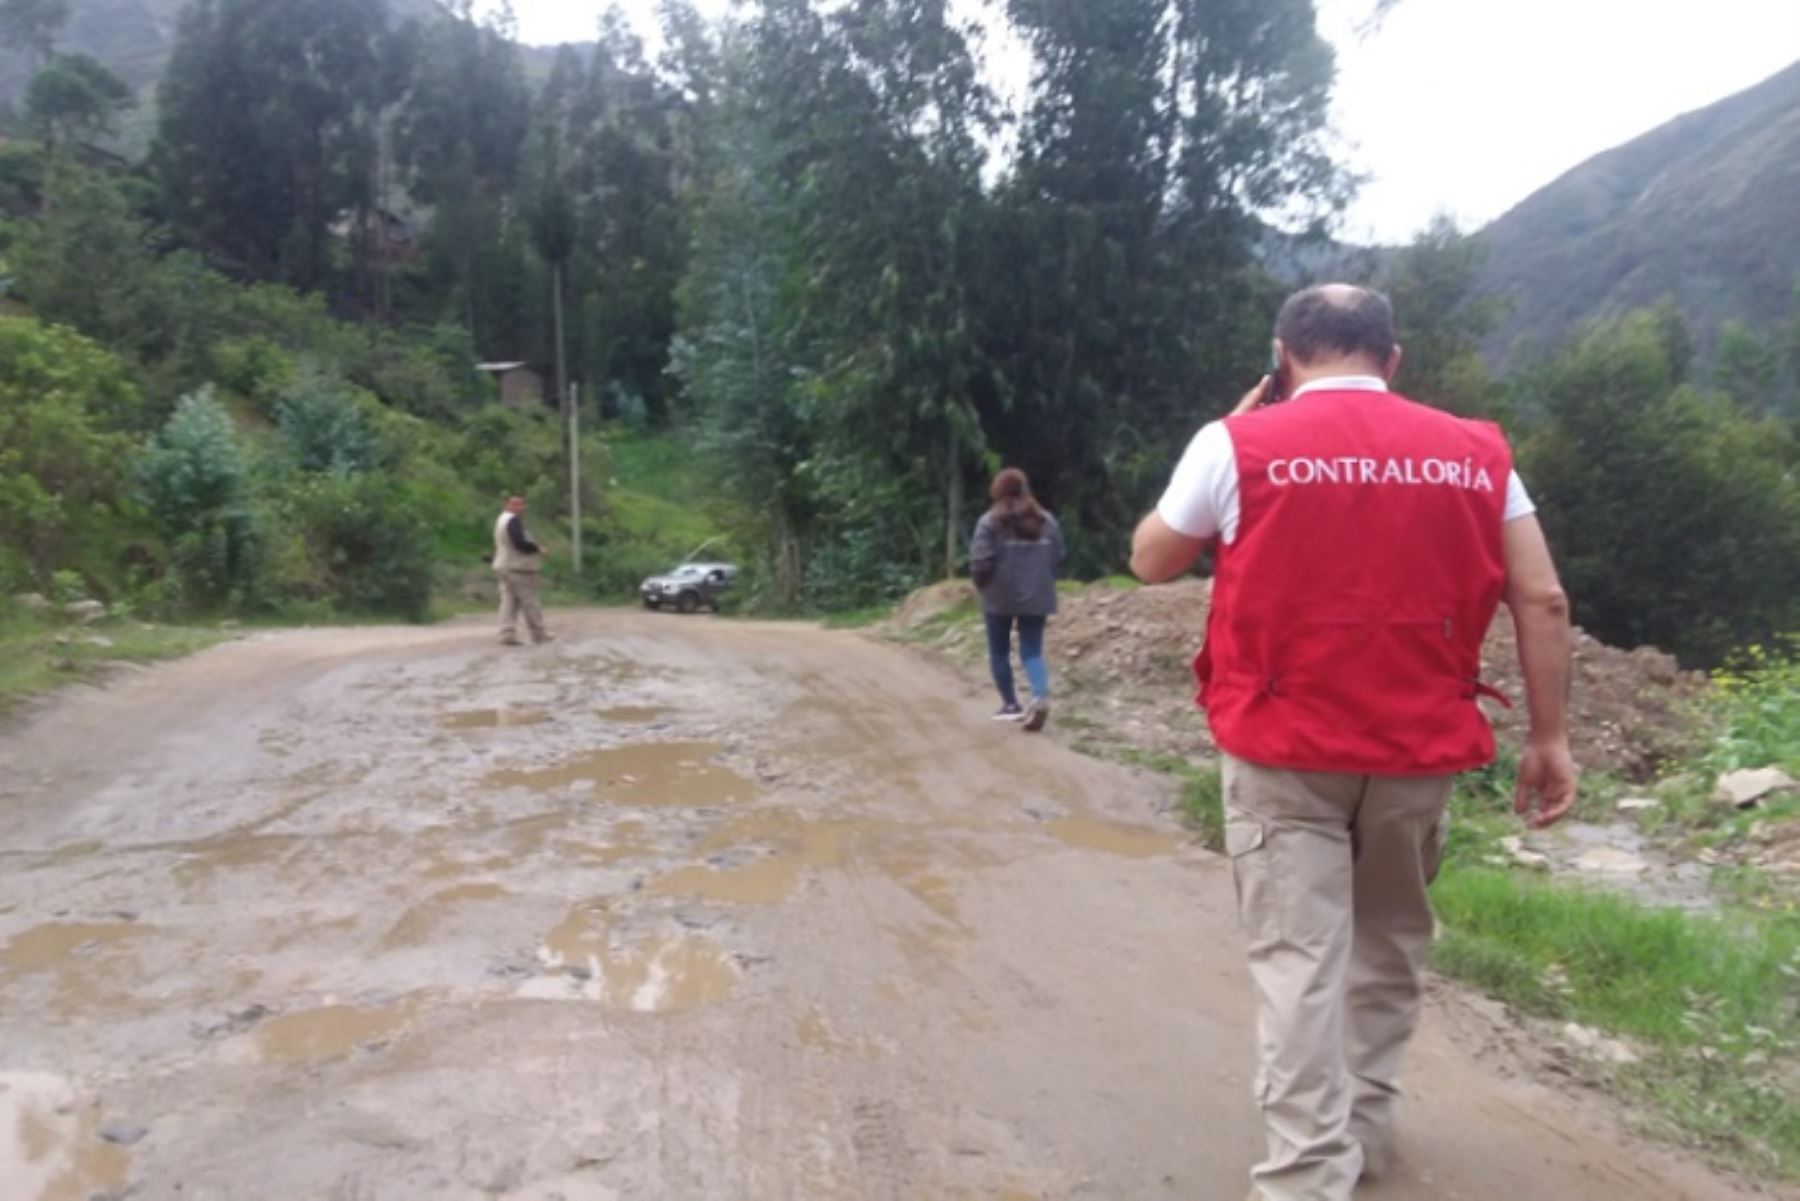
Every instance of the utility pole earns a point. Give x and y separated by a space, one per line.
575 476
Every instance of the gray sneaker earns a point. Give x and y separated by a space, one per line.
1036 714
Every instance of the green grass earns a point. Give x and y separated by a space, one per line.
38 656
858 619
963 613
1713 1003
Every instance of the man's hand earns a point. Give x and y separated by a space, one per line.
1547 783
1256 397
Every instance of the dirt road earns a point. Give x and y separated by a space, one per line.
673 908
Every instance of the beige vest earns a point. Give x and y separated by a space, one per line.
508 557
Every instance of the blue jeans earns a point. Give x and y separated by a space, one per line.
1031 650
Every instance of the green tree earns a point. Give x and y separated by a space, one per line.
74 97
64 404
266 133
194 477
1675 516
459 134
90 262
1747 368
1443 318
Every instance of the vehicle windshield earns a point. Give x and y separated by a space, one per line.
687 571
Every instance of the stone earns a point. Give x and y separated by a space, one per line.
1514 847
1637 804
99 640
1580 1037
125 1134
87 612
1748 788
36 602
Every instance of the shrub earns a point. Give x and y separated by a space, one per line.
326 427
63 401
193 477
359 541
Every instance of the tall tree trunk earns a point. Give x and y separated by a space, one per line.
562 379
953 504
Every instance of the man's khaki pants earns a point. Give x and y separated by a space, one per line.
1331 872
519 594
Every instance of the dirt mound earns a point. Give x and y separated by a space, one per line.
1127 652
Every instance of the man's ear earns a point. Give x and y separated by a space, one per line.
1392 367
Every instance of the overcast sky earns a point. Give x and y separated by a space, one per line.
1467 106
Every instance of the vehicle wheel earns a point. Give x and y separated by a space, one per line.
687 602
650 604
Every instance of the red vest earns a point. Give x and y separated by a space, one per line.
1348 616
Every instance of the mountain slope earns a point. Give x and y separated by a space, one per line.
134 38
1703 208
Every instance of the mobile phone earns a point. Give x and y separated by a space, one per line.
1277 389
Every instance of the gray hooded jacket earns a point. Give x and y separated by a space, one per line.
1020 574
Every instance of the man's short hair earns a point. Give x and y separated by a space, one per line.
1336 320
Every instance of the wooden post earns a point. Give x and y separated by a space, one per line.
575 476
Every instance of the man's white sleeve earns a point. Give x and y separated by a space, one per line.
1202 498
1518 501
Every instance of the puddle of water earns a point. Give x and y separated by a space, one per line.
799 846
229 852
316 1036
492 719
1115 838
660 975
451 869
418 924
293 936
54 944
633 714
647 773
49 1148
765 882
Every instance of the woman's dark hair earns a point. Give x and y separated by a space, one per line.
1013 504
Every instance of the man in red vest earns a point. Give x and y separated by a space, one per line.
1363 544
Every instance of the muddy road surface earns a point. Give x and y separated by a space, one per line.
672 908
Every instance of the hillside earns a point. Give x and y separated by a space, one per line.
1701 208
134 38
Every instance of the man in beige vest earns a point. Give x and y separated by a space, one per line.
518 561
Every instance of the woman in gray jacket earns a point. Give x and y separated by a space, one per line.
1014 556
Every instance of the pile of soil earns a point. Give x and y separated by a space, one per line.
1126 654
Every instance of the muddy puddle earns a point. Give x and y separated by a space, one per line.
1115 838
419 923
673 974
679 774
789 849
50 1147
311 1037
58 944
633 715
492 719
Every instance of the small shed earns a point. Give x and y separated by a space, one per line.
520 386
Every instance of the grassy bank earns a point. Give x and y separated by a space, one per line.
1708 1003
38 656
